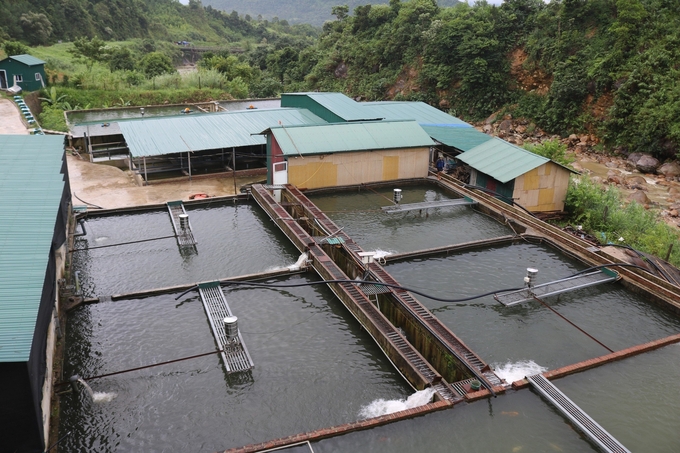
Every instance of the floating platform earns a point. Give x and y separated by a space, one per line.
557 287
185 236
605 441
465 201
234 354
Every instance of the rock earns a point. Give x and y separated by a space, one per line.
646 164
572 138
583 139
673 213
596 179
614 179
640 197
635 179
487 129
611 164
521 129
671 169
491 119
444 104
505 126
634 157
577 166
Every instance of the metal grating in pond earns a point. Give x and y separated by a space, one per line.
557 287
235 355
185 236
428 204
576 415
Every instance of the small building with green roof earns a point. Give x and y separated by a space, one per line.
345 154
34 199
25 71
532 181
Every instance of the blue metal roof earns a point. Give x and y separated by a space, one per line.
170 135
31 187
418 111
462 138
348 137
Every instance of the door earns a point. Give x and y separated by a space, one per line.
280 177
3 79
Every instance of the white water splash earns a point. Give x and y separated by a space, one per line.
514 371
299 263
103 397
383 407
100 239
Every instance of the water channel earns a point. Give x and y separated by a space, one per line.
315 366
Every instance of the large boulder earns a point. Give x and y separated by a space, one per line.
669 169
634 157
647 164
640 197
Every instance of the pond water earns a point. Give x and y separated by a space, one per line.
362 219
530 332
518 422
314 367
232 240
109 115
635 400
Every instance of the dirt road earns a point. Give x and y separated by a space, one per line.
10 118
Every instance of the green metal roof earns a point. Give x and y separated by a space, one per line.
421 112
501 160
28 60
462 138
169 135
347 137
337 103
31 188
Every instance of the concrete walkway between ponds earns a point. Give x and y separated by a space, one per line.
10 119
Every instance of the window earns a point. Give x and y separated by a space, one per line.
18 78
37 77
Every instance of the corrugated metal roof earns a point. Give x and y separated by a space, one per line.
501 160
28 60
462 138
159 136
344 107
418 111
31 188
347 137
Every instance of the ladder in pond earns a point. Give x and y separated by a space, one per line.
557 287
465 201
605 441
185 237
234 354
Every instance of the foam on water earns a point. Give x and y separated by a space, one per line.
514 371
103 397
383 407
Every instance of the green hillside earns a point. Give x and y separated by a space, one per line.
314 12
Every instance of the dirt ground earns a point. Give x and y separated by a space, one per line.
112 188
10 118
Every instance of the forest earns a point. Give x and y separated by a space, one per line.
605 67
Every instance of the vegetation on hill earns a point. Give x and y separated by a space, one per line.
314 12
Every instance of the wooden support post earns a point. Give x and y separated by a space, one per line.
189 160
146 177
668 254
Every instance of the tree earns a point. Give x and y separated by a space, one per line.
37 28
14 48
90 51
340 11
156 63
121 59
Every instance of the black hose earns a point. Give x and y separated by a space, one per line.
356 282
91 204
639 254
187 291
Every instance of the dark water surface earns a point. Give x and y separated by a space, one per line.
314 367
